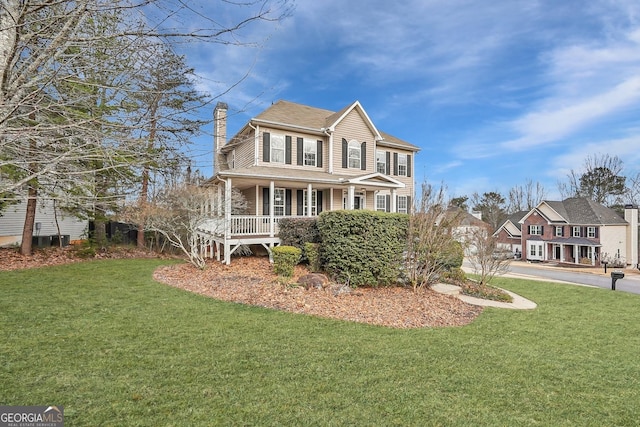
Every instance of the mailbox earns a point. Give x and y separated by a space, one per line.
615 275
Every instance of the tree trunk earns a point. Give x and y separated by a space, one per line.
29 220
144 194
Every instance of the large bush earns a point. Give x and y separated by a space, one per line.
363 248
296 232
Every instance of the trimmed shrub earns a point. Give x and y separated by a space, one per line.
285 258
312 254
298 231
363 248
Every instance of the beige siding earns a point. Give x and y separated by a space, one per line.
294 150
613 239
244 153
353 127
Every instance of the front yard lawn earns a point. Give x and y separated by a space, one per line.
114 347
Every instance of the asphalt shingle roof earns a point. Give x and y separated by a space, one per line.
582 211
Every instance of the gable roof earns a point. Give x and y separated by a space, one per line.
317 120
580 211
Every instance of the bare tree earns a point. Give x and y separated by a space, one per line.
633 189
492 207
179 213
600 180
525 197
486 257
431 248
62 126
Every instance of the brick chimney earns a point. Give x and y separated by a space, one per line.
219 134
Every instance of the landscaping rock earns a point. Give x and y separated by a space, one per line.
313 281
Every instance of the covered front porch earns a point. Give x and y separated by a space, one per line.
268 201
575 251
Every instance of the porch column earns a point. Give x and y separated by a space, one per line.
561 252
272 190
575 255
351 194
394 198
227 221
593 256
309 199
330 199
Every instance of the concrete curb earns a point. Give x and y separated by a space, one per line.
519 303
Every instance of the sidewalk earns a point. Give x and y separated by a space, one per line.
518 303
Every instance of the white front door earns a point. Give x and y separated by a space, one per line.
535 251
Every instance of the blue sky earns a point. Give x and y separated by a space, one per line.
495 93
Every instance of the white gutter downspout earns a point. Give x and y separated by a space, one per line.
256 143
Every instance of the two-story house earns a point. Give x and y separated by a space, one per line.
579 231
297 160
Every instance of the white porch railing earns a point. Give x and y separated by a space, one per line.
242 225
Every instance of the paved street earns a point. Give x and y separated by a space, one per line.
582 276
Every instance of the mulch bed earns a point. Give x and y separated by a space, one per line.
250 280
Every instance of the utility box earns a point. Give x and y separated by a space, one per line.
65 238
41 241
615 275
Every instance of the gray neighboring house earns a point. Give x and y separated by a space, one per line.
46 225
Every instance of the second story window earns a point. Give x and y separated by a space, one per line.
535 230
576 232
591 232
381 161
559 231
310 152
277 148
354 154
402 165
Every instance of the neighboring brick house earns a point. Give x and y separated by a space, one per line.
509 234
579 231
297 160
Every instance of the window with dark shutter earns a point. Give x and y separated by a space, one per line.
266 146
395 164
265 201
345 153
363 156
287 148
300 203
300 154
319 155
408 165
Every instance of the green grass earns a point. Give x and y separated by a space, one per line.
115 348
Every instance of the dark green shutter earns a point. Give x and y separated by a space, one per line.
388 202
395 164
408 165
363 156
265 201
266 146
388 165
319 154
319 202
300 204
300 146
287 201
345 151
287 150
